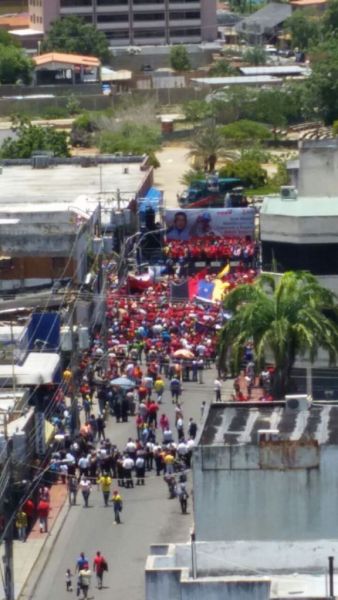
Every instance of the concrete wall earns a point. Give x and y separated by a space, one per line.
209 20
300 230
237 499
318 173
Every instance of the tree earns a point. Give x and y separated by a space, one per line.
82 131
32 138
14 65
292 317
330 17
197 110
247 170
179 58
271 108
206 146
72 34
255 56
304 29
245 130
221 68
322 85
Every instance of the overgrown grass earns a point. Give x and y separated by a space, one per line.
13 6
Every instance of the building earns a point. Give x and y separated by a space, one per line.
58 67
265 471
316 6
135 22
48 216
238 569
264 25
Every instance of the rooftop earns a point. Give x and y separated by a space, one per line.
23 185
275 70
234 423
303 206
68 59
237 80
297 569
266 18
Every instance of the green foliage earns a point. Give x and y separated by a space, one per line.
197 110
179 58
32 138
54 112
249 172
244 130
83 128
14 65
130 138
221 69
322 85
153 160
192 175
330 17
287 318
304 29
256 152
255 56
72 34
335 128
206 146
6 39
73 105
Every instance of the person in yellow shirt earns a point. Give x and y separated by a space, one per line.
169 463
117 503
159 387
21 523
105 482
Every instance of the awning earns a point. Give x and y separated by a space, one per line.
39 368
153 199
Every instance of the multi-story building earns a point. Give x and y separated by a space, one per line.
135 22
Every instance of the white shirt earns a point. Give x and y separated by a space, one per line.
217 385
131 446
182 448
128 464
83 462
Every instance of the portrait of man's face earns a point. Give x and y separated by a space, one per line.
180 221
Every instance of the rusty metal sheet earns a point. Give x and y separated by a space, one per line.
286 454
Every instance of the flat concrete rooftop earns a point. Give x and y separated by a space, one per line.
64 183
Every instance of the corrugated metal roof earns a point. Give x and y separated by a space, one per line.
69 59
275 70
239 423
302 207
235 80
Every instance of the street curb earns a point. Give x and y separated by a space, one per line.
28 589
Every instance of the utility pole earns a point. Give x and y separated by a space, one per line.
9 525
74 369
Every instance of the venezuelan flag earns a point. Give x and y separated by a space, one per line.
224 271
211 291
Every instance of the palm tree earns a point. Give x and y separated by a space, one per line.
290 317
207 145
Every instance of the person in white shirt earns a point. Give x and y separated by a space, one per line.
86 488
218 390
83 464
128 465
167 436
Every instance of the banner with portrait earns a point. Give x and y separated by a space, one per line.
198 222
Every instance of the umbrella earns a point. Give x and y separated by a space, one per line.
123 382
182 353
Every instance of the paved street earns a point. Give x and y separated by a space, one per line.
148 517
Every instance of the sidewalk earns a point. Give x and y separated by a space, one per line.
25 555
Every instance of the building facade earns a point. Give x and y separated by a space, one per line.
264 471
135 22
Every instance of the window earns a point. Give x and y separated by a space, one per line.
148 17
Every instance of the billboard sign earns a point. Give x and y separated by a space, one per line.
182 225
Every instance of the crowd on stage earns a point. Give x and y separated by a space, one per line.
212 247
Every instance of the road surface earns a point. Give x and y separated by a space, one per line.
149 517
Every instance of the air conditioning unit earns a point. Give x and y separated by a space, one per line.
267 435
288 192
297 402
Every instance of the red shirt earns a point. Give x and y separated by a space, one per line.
99 562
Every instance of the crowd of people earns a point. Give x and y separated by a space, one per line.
213 247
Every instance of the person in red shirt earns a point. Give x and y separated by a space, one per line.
99 567
43 512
